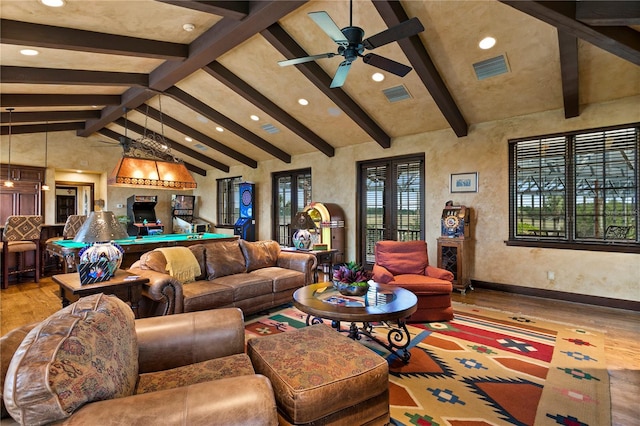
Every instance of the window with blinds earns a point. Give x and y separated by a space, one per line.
228 196
577 188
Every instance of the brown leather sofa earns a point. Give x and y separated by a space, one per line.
183 369
252 276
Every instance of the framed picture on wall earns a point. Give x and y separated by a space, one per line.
464 182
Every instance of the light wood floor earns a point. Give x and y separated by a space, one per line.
28 302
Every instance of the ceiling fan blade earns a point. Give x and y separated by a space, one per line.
404 29
341 74
324 21
304 59
386 64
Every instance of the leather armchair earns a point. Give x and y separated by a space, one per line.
172 342
406 264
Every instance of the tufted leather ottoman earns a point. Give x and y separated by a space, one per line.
322 377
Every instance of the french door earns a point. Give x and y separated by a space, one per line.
391 202
291 194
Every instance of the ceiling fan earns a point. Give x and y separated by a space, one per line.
351 45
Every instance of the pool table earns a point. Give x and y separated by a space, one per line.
133 247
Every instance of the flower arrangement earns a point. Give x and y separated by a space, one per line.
351 279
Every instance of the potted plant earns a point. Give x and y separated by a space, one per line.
350 279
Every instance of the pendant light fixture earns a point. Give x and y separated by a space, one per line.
9 183
148 162
45 187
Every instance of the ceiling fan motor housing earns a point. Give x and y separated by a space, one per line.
354 35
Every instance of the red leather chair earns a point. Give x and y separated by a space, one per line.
406 264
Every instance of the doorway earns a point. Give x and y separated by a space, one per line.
391 202
73 198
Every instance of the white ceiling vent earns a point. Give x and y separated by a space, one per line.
491 67
396 94
270 128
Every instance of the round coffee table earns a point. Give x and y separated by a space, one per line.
385 304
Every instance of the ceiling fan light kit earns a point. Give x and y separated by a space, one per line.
351 46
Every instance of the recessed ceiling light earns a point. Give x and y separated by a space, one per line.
29 52
53 3
487 43
303 101
188 139
255 117
219 129
377 76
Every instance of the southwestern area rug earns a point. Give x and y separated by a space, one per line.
486 367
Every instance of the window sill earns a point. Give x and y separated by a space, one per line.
607 247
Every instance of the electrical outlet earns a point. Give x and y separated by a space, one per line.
551 275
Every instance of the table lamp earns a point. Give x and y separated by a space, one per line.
99 230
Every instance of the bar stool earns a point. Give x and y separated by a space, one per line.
71 227
21 235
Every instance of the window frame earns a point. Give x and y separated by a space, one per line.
569 240
228 201
296 199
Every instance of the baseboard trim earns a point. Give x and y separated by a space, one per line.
561 295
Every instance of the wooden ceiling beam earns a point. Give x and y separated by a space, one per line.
286 45
11 74
36 35
219 39
130 99
608 13
623 42
40 128
175 146
568 45
40 116
235 83
201 137
206 111
36 100
229 9
393 14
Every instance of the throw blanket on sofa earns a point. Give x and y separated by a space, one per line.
181 263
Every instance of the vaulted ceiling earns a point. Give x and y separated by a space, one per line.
110 68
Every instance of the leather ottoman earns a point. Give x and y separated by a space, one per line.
322 377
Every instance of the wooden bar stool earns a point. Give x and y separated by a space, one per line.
21 235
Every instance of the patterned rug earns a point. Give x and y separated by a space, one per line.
487 367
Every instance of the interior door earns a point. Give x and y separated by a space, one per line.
391 203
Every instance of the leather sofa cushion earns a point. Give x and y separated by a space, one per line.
316 371
402 257
154 260
203 295
260 254
283 279
246 286
213 369
85 352
224 258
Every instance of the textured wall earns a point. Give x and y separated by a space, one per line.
484 151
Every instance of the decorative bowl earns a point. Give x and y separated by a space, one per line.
351 289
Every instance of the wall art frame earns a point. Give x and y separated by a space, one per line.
464 182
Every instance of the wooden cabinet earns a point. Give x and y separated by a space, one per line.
25 196
456 255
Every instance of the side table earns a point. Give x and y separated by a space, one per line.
121 286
